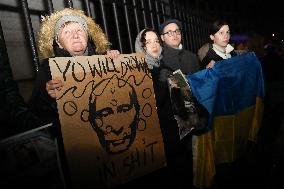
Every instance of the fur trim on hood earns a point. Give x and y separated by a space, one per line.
46 33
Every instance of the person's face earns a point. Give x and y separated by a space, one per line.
222 37
152 44
73 38
116 121
171 35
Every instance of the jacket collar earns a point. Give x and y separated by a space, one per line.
224 54
173 50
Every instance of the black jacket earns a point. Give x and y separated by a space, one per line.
212 55
172 60
15 116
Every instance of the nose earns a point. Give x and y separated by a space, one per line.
117 131
75 34
174 33
155 44
227 36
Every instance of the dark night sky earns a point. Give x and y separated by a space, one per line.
264 16
269 15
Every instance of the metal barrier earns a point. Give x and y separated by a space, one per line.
29 27
129 17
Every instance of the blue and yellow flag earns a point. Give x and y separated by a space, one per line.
232 92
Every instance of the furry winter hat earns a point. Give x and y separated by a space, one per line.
50 25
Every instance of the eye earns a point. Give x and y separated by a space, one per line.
104 112
124 108
66 32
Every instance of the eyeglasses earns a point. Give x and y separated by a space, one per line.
171 33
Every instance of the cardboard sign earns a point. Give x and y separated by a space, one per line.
108 119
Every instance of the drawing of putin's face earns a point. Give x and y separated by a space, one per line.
114 114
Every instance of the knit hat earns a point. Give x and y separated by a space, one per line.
50 25
167 22
68 18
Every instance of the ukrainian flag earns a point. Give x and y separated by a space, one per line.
232 92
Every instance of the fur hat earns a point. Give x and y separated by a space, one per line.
51 25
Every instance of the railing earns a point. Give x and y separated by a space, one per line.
121 20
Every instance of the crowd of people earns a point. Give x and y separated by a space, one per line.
70 32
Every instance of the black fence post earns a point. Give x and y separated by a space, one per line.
104 17
127 24
69 3
117 26
87 8
49 6
29 27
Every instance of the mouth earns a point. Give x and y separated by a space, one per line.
77 42
119 141
119 145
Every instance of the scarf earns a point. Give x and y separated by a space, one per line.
150 60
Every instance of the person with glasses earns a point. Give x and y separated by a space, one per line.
175 56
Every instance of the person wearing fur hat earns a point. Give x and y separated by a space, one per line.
64 33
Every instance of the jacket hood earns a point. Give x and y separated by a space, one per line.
46 33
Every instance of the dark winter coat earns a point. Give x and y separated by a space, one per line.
172 60
212 55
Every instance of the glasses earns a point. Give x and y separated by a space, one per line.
171 33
